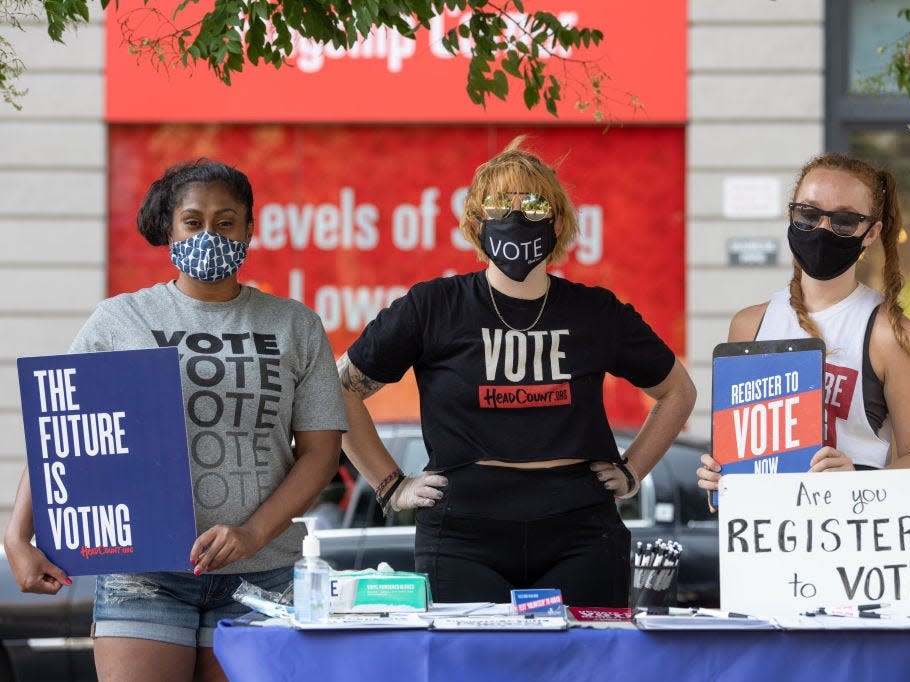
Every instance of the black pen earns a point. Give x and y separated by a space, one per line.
871 607
861 611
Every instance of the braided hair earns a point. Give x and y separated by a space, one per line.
885 207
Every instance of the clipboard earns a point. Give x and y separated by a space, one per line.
767 405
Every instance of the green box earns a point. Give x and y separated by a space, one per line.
372 591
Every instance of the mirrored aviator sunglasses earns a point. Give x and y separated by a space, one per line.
843 223
534 207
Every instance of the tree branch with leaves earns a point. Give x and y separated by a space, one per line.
506 41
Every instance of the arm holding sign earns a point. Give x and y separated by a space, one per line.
743 327
316 454
30 566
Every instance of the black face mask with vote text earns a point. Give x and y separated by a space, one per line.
517 245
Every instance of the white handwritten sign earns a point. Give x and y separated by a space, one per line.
796 542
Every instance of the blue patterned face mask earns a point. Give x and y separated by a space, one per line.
208 256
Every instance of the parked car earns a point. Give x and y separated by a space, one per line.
46 638
669 506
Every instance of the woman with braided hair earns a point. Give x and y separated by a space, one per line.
841 206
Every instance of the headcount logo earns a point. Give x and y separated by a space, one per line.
520 356
69 436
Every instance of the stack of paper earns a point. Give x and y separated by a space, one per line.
700 619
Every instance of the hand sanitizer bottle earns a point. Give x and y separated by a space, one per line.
311 579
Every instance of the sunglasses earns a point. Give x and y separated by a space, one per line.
534 207
843 223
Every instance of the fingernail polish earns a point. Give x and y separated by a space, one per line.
193 561
197 571
69 581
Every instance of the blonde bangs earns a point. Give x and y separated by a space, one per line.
515 170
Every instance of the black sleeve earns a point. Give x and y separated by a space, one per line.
642 358
391 343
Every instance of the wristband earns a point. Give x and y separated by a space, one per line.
631 478
386 500
384 482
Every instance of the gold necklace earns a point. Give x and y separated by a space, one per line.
502 319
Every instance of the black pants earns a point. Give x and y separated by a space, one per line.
499 529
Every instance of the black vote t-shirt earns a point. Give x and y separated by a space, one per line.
490 392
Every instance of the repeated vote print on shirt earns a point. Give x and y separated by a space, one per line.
232 399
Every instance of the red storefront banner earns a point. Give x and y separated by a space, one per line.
387 78
348 217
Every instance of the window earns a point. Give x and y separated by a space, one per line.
874 29
870 126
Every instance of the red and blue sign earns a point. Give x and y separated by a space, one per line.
766 408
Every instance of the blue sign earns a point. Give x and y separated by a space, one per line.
105 436
766 405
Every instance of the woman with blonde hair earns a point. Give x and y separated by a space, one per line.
510 362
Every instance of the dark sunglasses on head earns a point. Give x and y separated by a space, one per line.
535 208
843 223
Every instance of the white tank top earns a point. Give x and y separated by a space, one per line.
843 327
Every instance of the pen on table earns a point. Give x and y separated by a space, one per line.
860 611
480 607
717 613
872 607
822 611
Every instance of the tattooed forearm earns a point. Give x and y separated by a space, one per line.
352 379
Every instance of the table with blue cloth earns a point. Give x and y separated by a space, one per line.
251 653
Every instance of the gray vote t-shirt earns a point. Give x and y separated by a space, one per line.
254 370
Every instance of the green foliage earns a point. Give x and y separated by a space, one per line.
505 40
64 13
897 71
502 41
12 14
11 67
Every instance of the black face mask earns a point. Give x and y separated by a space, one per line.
517 245
822 254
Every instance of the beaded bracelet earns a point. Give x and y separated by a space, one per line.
384 482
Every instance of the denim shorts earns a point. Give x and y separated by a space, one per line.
176 608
